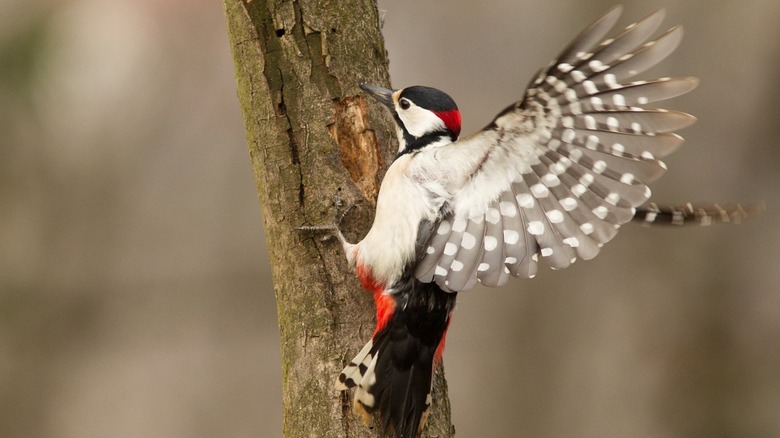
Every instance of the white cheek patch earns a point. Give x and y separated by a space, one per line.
401 140
420 121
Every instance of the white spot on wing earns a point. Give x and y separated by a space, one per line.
492 216
511 236
450 249
572 242
468 241
586 179
536 228
587 228
525 200
540 191
600 212
555 216
568 136
611 80
550 180
570 95
459 224
578 190
597 66
565 67
592 142
557 168
560 86
507 209
590 87
568 204
612 124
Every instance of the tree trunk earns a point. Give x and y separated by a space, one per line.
298 65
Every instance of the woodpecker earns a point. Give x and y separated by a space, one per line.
552 177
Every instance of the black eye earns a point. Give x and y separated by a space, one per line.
404 104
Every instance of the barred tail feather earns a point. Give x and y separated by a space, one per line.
393 372
695 214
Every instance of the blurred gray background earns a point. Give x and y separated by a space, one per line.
135 295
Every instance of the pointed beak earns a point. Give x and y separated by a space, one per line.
383 95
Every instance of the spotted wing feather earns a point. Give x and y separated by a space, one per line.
561 170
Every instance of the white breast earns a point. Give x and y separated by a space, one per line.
412 191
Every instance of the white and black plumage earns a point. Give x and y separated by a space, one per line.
551 178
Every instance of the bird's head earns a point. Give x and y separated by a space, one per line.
423 115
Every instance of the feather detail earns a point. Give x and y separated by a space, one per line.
566 166
393 372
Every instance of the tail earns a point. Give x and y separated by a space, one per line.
393 372
701 214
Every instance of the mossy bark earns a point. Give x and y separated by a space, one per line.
298 65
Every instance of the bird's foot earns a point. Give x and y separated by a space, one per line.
332 229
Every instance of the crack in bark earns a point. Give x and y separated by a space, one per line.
359 149
281 110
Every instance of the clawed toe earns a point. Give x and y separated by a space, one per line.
333 228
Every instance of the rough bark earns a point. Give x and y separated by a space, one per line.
312 135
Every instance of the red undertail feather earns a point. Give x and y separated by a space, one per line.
385 303
393 372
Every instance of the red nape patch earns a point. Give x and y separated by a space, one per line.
450 118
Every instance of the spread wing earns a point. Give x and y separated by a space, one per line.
556 174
